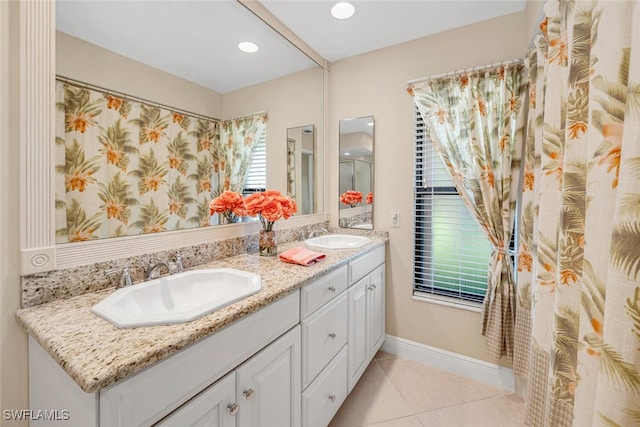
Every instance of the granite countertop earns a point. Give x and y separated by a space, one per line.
96 354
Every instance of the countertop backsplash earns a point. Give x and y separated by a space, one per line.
65 283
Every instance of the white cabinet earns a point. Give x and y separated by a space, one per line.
263 391
292 363
375 311
268 385
324 333
366 313
214 407
324 313
322 399
358 351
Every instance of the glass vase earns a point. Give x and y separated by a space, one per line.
267 243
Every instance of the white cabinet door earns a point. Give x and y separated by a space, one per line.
375 311
268 385
214 407
358 350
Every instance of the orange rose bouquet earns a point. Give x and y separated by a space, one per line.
269 206
351 198
369 198
230 204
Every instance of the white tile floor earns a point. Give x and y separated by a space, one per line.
395 392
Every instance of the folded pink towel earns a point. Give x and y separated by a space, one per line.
300 255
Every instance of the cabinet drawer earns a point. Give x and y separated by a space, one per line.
324 333
316 294
322 399
362 266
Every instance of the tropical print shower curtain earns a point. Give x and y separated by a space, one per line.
578 302
125 167
128 168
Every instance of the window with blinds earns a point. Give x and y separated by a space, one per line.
256 179
451 251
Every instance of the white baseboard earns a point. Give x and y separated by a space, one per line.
474 369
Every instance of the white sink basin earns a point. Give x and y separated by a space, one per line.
338 241
182 297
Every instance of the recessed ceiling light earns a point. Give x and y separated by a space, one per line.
370 124
347 153
248 47
342 10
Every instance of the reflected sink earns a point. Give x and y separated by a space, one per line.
338 241
178 298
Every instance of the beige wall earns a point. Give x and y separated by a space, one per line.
374 84
13 340
533 12
290 101
119 73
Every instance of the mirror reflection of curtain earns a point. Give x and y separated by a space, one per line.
232 157
125 167
291 168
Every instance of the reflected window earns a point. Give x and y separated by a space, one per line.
256 180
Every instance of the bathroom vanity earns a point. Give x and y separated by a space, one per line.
286 356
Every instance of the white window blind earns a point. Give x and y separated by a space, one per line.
451 251
256 179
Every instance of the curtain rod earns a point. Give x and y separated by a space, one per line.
130 97
246 115
466 70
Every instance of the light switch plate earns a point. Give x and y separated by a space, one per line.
395 219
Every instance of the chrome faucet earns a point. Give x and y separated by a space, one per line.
355 221
154 270
317 232
178 262
125 276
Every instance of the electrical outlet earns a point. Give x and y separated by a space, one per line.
395 219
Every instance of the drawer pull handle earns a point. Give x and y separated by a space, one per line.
332 398
248 394
371 287
233 408
332 335
332 288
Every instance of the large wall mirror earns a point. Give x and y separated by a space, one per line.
172 69
301 166
356 173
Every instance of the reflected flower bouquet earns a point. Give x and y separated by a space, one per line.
230 204
269 206
351 198
369 198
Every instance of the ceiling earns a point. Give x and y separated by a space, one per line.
194 39
197 39
380 23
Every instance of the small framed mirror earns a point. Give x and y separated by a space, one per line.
356 186
301 144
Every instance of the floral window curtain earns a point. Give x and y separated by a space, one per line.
232 156
476 123
126 168
578 322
